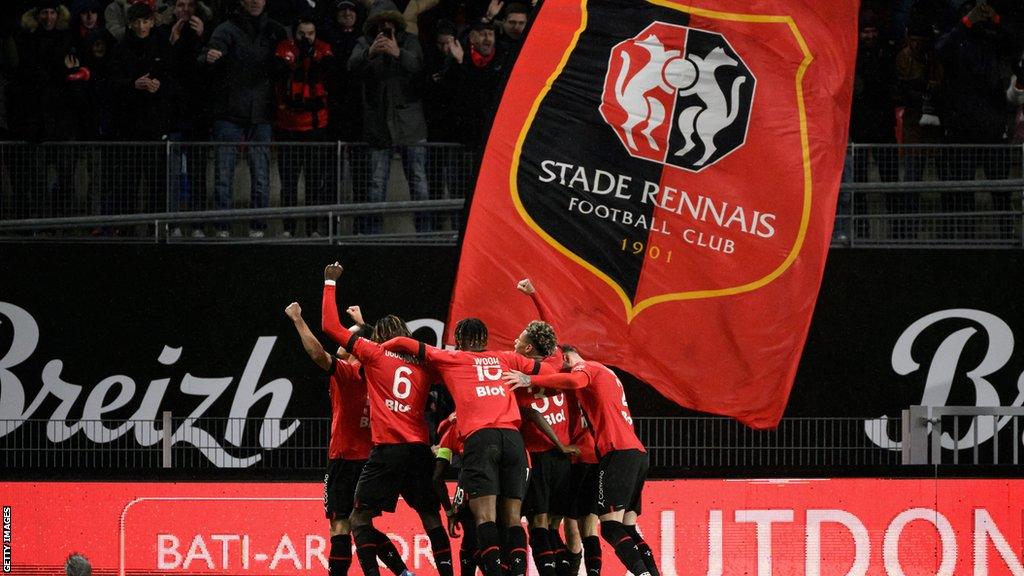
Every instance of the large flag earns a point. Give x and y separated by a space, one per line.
666 173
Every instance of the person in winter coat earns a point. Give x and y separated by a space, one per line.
146 97
39 110
304 65
240 56
389 61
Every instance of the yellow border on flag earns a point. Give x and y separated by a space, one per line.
631 310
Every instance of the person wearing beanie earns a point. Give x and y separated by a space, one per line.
389 62
239 59
476 74
116 15
145 96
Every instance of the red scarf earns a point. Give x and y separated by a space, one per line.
479 60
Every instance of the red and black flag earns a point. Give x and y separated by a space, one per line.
666 174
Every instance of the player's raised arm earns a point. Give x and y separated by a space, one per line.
329 321
526 287
310 344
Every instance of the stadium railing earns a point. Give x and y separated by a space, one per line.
892 195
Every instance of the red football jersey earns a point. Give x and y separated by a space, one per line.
579 431
474 381
554 411
398 385
604 403
350 414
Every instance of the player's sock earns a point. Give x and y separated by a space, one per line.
575 559
340 558
489 549
467 562
592 555
560 550
615 534
366 550
516 546
645 551
543 556
388 554
442 549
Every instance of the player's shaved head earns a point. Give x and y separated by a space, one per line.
389 327
471 334
542 336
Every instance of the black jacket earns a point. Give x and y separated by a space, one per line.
242 80
142 115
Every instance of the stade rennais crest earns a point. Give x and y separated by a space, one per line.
658 139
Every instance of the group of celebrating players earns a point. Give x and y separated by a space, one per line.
538 432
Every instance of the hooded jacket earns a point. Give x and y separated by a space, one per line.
37 95
392 103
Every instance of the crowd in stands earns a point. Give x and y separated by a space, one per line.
938 72
399 73
393 75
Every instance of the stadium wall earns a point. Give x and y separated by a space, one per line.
125 332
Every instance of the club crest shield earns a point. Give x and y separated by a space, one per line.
669 154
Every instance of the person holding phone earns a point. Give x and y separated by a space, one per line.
389 61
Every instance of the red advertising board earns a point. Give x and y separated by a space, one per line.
695 527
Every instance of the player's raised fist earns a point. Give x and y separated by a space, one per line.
525 286
333 271
294 311
355 314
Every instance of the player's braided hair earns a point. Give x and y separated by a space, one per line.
542 336
389 327
471 334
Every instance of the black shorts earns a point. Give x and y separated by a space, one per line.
397 469
620 481
548 488
340 487
494 464
582 490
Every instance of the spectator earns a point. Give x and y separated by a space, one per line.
477 75
389 61
512 29
919 78
191 123
344 93
411 14
146 97
241 53
92 111
873 117
39 110
974 107
85 17
116 15
302 115
77 565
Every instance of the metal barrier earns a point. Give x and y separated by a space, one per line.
191 190
931 195
301 444
927 435
892 195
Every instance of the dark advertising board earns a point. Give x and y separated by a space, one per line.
96 342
